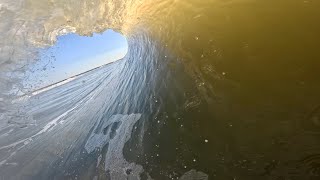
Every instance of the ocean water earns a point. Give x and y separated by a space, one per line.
210 89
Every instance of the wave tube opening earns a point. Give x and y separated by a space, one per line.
71 56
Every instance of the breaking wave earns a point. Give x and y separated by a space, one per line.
210 88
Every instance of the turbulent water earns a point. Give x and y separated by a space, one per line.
209 89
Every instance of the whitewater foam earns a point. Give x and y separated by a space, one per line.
115 131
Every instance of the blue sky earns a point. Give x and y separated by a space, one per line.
73 54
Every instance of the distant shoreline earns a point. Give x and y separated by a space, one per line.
72 78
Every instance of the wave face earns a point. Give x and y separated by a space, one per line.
209 89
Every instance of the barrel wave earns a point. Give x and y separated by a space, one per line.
209 89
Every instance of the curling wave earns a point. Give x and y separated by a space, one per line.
209 89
